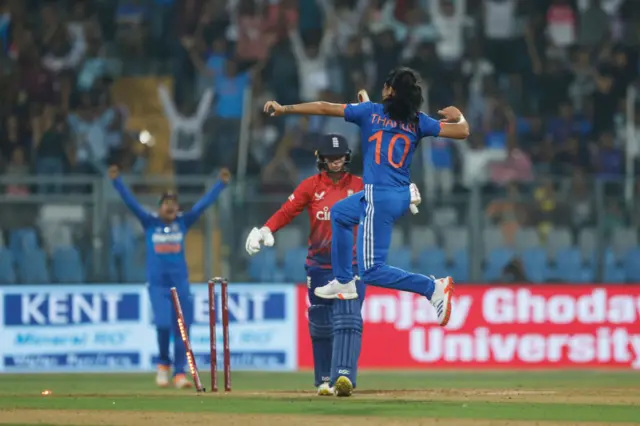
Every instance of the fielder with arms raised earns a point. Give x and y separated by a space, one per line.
165 231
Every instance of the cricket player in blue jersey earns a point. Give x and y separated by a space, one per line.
390 134
165 231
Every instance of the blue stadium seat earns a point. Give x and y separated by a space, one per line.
632 265
432 262
21 240
613 271
32 267
134 263
400 257
534 261
460 269
66 265
7 273
122 237
569 265
496 261
294 259
263 265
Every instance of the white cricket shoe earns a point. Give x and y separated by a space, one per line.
441 299
343 386
182 382
163 376
335 290
325 390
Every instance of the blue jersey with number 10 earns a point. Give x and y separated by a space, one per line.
387 145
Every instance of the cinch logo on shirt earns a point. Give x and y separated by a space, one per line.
167 242
324 214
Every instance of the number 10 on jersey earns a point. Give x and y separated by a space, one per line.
377 138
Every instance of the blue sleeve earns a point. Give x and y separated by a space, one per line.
143 216
209 198
428 126
357 113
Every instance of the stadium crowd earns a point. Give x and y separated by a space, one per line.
543 84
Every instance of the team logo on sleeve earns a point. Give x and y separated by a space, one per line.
291 197
349 192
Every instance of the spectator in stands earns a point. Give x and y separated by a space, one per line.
516 167
293 159
448 17
546 207
572 155
131 17
352 69
186 144
14 137
386 56
65 50
95 64
51 152
508 213
566 124
595 24
254 34
17 168
580 202
311 61
90 126
476 157
609 160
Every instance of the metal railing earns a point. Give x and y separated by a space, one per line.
469 228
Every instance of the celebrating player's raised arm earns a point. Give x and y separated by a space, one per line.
209 198
274 109
294 205
129 199
453 125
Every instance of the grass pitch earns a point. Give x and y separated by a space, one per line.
382 398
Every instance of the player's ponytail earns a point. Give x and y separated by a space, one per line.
404 104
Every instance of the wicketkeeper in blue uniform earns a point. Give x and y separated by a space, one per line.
165 231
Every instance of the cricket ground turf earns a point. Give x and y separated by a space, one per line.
383 398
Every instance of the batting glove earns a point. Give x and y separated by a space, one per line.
257 237
416 199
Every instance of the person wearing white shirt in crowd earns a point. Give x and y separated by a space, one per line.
500 32
312 61
186 145
448 16
476 159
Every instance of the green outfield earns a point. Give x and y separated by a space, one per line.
443 398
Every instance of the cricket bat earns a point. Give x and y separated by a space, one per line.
363 96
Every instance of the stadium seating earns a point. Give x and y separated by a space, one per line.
32 267
22 240
497 259
294 260
460 265
7 271
263 266
400 257
569 265
66 265
534 261
632 265
432 262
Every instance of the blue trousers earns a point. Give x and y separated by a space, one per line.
165 320
374 210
